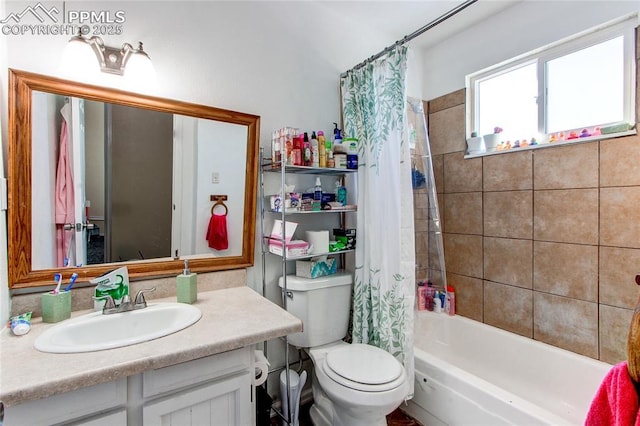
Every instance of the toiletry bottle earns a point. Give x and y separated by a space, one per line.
306 150
315 151
275 148
421 297
337 135
429 293
341 193
322 149
297 150
451 295
437 306
317 196
187 285
330 161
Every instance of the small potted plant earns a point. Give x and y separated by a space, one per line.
492 140
475 144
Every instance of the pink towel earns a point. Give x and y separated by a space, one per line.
616 401
217 232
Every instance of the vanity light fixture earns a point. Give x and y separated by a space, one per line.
126 61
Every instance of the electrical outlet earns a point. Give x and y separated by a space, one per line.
215 177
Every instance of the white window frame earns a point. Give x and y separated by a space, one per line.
624 26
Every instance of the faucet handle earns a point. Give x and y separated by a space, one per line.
109 302
140 300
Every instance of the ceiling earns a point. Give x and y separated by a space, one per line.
399 18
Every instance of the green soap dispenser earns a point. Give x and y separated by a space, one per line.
187 285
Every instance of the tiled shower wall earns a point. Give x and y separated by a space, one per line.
543 243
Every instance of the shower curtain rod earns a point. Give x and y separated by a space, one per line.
413 35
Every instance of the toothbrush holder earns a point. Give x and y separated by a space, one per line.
56 307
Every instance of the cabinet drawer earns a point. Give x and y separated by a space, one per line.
172 378
65 407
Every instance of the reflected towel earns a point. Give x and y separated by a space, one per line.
616 401
217 232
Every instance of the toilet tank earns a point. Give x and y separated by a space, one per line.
323 305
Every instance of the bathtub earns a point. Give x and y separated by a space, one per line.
469 373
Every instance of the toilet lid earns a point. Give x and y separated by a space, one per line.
363 367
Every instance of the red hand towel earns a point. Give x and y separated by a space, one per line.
217 232
616 401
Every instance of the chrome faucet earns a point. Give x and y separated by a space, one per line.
126 304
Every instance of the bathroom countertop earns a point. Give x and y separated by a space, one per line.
231 318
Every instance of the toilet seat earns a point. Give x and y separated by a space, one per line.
364 368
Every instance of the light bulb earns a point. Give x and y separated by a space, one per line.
79 60
139 71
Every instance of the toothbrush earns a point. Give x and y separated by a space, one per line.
74 277
58 278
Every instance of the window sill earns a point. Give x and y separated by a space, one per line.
552 144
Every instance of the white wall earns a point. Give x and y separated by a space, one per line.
278 60
527 25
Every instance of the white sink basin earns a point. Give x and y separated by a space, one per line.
96 332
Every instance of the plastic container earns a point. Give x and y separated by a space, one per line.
422 305
322 149
451 296
315 151
429 293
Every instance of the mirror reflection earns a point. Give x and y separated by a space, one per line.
99 176
115 183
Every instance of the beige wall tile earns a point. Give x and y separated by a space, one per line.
509 308
508 214
447 101
421 239
567 323
463 213
618 269
569 270
572 166
462 175
446 130
619 159
421 224
614 329
469 295
420 199
440 213
438 172
568 216
620 217
508 172
463 254
508 261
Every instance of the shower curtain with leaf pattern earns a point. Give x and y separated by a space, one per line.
374 106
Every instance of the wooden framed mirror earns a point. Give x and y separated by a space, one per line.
27 180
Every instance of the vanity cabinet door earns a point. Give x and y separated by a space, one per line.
66 408
224 402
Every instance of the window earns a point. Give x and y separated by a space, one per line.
586 82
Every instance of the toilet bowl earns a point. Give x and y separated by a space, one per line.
353 384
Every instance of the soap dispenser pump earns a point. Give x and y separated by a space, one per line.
187 285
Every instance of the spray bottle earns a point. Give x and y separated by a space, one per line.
315 151
322 149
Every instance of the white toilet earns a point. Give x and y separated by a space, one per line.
353 384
